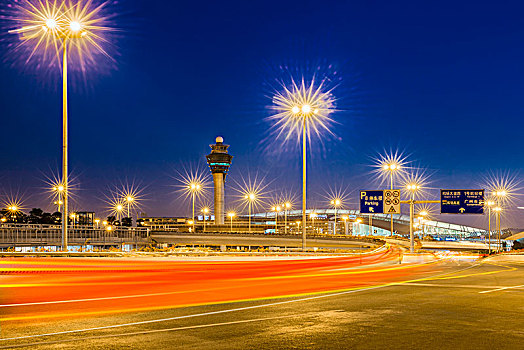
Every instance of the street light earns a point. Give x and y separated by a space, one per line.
129 200
231 216
313 216
336 202
205 210
412 187
119 208
194 188
500 195
287 206
53 26
489 204
250 198
497 211
303 110
58 190
276 209
391 168
13 209
97 222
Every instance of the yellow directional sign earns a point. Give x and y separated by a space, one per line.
380 201
392 201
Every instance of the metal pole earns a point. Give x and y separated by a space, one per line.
489 229
65 181
204 222
276 221
391 215
370 225
411 210
499 248
193 211
231 229
335 230
285 221
249 207
304 185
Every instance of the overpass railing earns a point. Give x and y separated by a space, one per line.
17 234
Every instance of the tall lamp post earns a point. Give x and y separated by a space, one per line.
194 188
52 26
335 203
287 206
231 216
119 208
489 205
205 211
59 190
412 188
250 198
276 209
303 110
313 216
497 213
499 195
391 168
129 200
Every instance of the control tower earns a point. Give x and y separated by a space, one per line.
219 161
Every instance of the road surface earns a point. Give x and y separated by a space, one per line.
322 303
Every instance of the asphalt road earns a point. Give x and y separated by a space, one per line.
458 304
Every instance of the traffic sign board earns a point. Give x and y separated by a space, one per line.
462 201
371 202
392 201
384 202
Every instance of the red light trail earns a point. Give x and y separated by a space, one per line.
36 289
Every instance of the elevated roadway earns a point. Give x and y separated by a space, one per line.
258 240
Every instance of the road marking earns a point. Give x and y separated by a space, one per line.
148 332
474 286
502 288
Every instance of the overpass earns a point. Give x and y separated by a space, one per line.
253 240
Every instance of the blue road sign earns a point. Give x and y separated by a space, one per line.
462 201
371 202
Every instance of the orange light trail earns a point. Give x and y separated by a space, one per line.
34 290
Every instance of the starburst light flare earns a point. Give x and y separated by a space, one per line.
503 188
389 166
302 105
44 27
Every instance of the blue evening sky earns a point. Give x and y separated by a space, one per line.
441 81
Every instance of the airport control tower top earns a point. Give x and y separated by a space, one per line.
219 160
